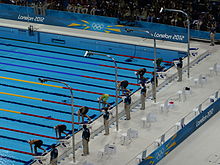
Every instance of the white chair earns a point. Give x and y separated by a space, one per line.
112 149
109 149
212 99
180 124
157 142
151 117
160 140
132 133
125 139
141 156
198 109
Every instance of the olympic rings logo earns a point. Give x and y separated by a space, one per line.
97 26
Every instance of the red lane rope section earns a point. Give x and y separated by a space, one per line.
50 118
88 91
106 79
68 104
143 58
23 152
121 68
9 129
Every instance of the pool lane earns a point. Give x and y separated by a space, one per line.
30 110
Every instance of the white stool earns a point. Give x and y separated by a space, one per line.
171 104
157 142
196 110
144 121
162 107
178 125
187 90
160 140
196 81
141 156
212 99
211 70
179 94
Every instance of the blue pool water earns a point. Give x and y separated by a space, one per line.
23 63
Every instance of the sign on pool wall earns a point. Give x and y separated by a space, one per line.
30 18
170 37
181 135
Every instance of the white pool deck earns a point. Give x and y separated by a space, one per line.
164 120
201 148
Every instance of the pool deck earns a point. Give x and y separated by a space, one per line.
165 120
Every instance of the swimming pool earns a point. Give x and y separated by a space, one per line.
30 110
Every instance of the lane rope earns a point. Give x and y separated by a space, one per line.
29 133
23 152
55 86
44 117
34 98
47 70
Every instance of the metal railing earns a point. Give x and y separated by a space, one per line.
174 129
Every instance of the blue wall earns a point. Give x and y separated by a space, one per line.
181 135
99 23
82 43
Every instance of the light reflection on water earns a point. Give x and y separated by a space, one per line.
4 161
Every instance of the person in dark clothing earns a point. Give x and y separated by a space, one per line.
212 34
83 113
59 129
85 140
158 64
140 75
179 66
106 120
122 85
103 100
143 95
53 155
127 103
37 144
